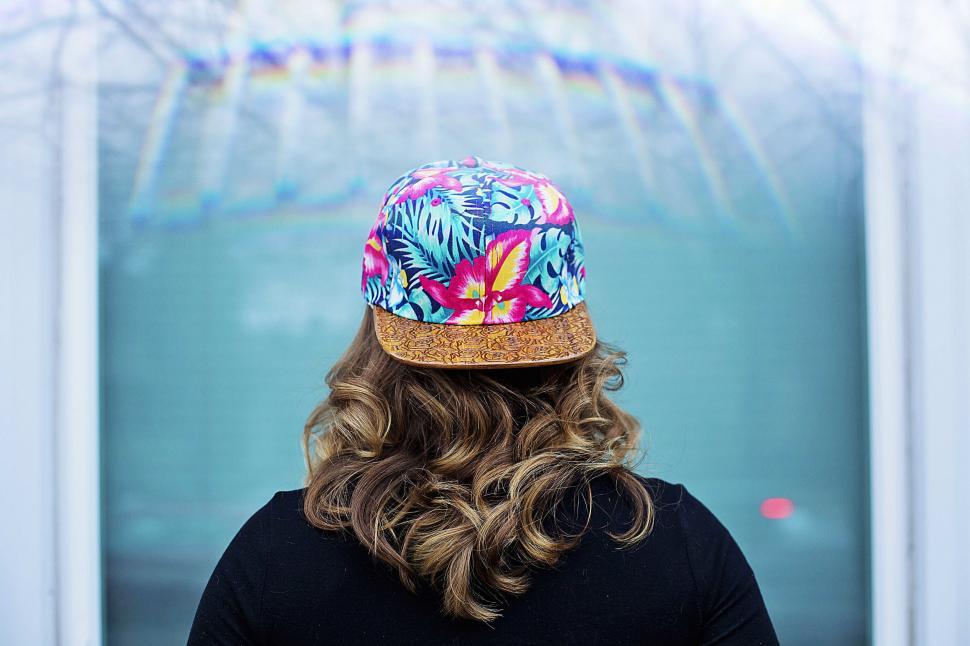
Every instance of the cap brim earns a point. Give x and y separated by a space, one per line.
559 339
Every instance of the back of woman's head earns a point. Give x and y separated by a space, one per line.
451 476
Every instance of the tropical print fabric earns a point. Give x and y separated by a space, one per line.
474 242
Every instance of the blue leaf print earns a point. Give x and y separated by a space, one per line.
548 251
428 314
514 205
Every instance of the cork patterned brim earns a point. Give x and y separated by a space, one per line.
558 339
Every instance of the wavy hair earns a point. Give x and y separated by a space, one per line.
450 476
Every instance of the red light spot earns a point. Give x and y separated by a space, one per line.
777 508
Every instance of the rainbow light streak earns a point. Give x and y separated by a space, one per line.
488 69
325 64
159 132
644 78
628 121
424 69
288 64
740 125
455 54
674 98
548 65
548 73
291 117
271 60
222 119
582 73
358 81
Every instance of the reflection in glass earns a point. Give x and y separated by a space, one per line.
713 157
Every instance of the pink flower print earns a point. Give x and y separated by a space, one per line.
556 209
507 261
375 260
465 293
489 288
428 178
518 176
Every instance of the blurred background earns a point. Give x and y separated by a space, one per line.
771 196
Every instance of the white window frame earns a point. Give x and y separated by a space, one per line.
917 156
49 355
77 468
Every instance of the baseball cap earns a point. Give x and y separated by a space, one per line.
474 264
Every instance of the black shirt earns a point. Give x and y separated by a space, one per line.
282 581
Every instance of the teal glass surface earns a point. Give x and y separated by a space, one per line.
718 186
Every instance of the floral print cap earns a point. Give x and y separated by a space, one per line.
468 252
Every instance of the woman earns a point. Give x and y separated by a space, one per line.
469 481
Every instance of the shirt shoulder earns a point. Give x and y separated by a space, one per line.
703 536
675 507
231 607
291 535
286 505
728 597
670 502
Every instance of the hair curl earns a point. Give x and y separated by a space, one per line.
449 476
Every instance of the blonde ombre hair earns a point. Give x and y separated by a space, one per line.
448 476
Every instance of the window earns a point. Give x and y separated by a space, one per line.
722 214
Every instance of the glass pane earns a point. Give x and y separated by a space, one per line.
714 161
